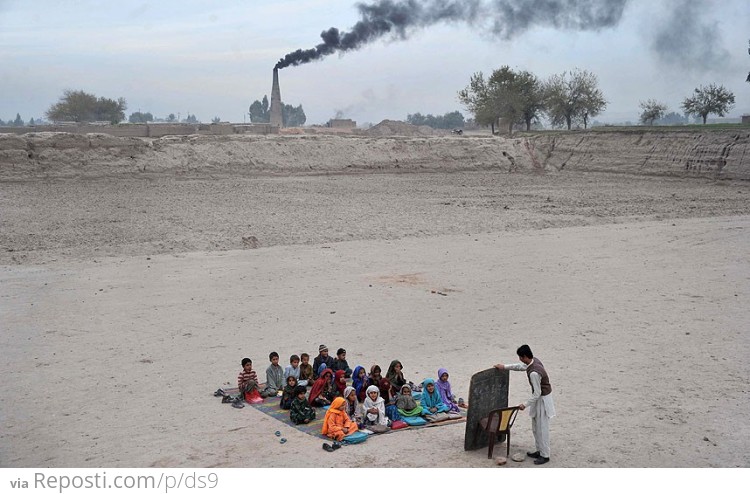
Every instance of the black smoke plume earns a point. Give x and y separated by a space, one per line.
689 39
504 18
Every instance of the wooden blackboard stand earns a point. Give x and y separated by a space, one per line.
488 391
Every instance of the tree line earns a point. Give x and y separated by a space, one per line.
291 116
520 97
567 99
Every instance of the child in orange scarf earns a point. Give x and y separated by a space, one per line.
337 423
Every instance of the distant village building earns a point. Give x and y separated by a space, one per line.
342 123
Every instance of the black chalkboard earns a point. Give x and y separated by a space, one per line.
488 391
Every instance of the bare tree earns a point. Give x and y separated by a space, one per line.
707 100
652 110
573 97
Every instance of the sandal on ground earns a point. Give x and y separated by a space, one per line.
237 404
219 392
226 399
336 445
327 447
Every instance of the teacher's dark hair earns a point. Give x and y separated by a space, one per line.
524 351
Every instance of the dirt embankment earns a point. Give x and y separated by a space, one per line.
678 153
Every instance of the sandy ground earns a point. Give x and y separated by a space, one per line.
126 303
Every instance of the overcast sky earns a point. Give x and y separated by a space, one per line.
214 58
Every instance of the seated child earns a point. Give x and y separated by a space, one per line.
322 358
444 388
386 392
293 369
406 404
339 380
300 411
274 377
341 364
322 393
337 423
353 406
375 375
290 392
247 382
360 382
306 370
375 408
395 375
431 402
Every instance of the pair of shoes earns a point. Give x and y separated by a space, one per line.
327 447
541 460
237 404
219 392
535 454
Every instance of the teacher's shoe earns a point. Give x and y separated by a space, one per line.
541 460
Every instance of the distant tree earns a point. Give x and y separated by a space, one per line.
18 122
171 117
31 121
292 116
191 119
673 118
2 122
259 111
708 100
452 120
139 117
80 106
573 97
477 98
531 96
215 120
651 110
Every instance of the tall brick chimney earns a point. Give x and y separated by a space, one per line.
276 100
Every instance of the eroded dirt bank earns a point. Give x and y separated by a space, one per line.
678 153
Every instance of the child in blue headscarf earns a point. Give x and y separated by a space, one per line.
360 382
431 401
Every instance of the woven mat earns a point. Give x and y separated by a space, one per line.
271 407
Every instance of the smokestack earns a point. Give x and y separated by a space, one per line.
276 100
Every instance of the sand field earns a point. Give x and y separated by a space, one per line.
125 302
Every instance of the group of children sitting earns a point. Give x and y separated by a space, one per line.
371 402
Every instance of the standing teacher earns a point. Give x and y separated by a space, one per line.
540 405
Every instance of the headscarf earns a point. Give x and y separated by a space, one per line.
375 380
360 385
334 409
444 387
319 385
290 389
385 389
430 400
396 378
404 401
340 386
377 403
350 407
